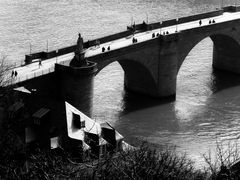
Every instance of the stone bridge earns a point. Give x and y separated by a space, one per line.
151 67
150 55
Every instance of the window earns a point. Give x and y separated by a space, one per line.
76 121
83 124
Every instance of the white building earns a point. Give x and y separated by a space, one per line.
100 138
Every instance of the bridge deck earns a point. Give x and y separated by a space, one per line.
34 69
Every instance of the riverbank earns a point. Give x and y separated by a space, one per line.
144 163
148 161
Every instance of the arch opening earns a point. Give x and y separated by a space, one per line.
203 59
110 98
199 78
137 77
225 47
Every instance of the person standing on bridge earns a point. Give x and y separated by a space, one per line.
40 63
200 22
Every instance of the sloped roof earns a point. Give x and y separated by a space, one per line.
22 89
85 146
41 112
102 141
16 106
106 125
118 136
91 126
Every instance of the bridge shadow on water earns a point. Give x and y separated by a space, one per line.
223 80
136 101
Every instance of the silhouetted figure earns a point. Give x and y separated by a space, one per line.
40 63
213 21
157 34
134 40
167 32
200 22
103 49
108 48
12 73
163 33
210 21
16 73
153 35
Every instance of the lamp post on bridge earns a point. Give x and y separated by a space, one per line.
176 25
221 4
147 17
160 27
47 45
56 55
131 20
30 46
175 3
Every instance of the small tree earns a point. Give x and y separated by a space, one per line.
10 142
226 163
5 70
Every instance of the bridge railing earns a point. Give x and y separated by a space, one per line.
28 76
139 27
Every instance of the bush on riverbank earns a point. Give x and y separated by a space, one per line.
144 163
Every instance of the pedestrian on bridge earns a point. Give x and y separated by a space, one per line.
15 73
40 63
200 22
103 49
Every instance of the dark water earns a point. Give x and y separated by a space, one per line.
207 102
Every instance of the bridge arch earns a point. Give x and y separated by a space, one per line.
137 76
226 51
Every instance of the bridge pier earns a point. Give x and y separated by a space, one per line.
76 85
167 73
76 80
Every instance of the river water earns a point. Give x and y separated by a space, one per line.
207 106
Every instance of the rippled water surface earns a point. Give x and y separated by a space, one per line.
207 105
